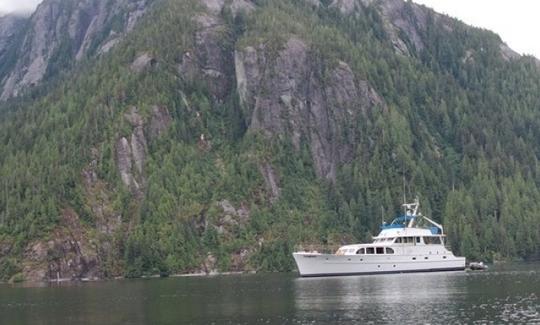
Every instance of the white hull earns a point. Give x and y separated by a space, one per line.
315 264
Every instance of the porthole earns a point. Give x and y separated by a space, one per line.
348 259
378 266
444 257
414 258
426 258
394 265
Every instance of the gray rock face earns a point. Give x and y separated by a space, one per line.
160 121
142 62
271 181
82 26
68 254
409 18
344 6
288 97
131 154
10 25
507 53
209 60
216 6
124 163
131 151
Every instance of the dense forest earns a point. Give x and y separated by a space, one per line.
160 156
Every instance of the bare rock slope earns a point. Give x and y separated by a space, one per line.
67 29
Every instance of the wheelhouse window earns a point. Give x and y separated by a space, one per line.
370 250
434 240
380 250
361 251
398 240
389 250
408 240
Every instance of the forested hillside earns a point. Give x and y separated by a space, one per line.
215 135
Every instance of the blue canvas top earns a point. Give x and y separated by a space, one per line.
399 222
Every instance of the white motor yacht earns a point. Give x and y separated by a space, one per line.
401 246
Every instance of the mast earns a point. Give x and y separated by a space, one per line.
411 210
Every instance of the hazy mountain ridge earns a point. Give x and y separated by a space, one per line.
62 31
218 134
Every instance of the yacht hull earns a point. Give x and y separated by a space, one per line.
315 264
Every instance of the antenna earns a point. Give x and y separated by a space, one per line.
404 197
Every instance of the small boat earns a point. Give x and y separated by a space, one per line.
475 266
401 246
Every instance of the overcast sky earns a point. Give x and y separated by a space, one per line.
516 21
17 5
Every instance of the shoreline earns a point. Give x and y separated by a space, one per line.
153 276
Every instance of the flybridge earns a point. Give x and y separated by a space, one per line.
408 220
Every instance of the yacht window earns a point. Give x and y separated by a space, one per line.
361 251
389 250
380 250
398 240
418 239
370 250
432 240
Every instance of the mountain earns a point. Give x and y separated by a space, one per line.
60 32
164 136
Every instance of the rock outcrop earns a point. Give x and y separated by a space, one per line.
10 26
160 121
130 154
287 96
405 18
69 254
70 30
209 59
236 6
142 62
507 53
131 150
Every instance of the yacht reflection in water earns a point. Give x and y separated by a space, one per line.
418 297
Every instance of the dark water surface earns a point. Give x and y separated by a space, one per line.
503 294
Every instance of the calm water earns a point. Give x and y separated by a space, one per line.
504 294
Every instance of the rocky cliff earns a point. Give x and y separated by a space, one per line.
287 97
10 27
61 31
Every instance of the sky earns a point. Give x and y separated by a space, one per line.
7 6
516 21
